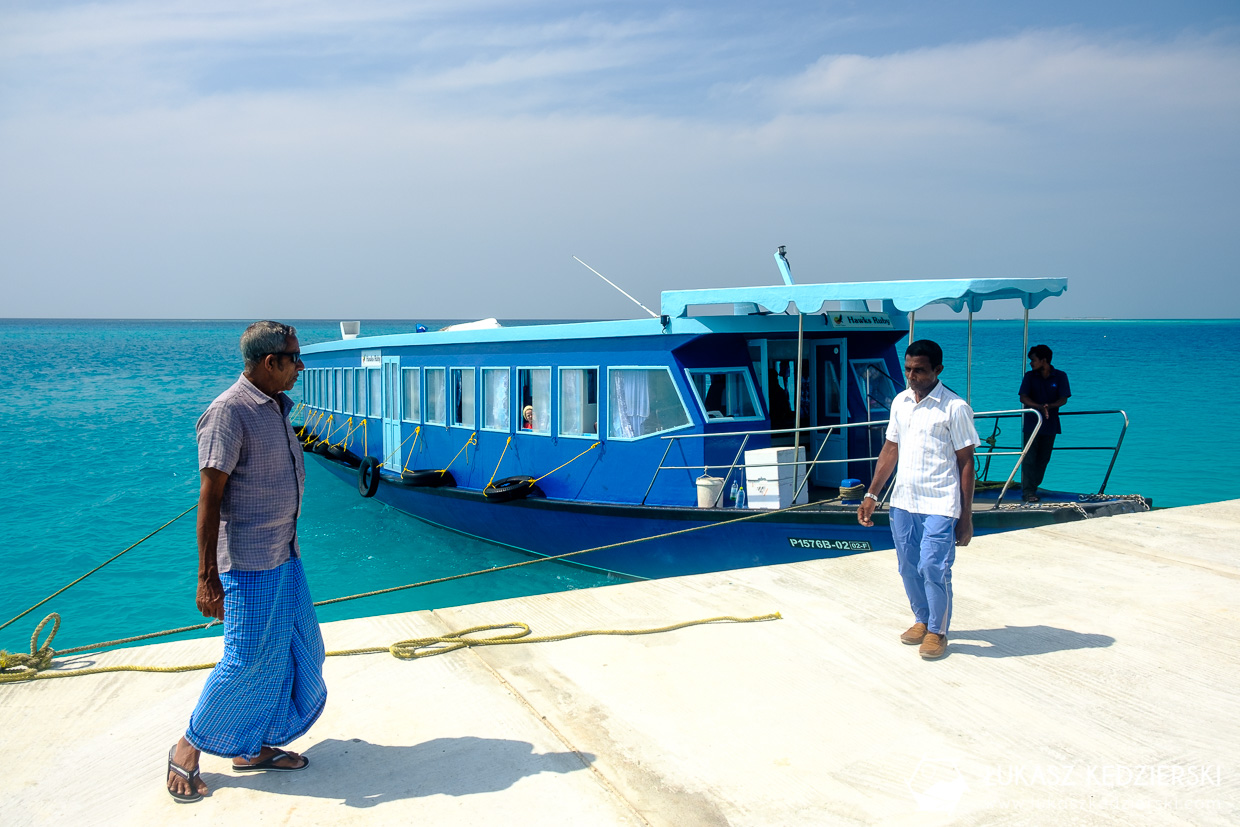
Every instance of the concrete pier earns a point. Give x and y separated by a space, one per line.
1093 677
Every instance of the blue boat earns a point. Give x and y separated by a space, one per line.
730 430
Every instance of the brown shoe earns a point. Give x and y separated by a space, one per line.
933 647
914 635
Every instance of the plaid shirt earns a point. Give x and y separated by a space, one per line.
244 434
929 434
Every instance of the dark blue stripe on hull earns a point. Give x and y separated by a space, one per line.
551 527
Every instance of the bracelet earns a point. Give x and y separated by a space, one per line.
870 495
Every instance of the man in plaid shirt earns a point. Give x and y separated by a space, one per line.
268 687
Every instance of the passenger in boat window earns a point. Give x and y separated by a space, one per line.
534 394
1046 390
930 443
267 688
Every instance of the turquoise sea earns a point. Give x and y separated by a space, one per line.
97 449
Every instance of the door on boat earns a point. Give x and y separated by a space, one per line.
778 382
829 408
391 413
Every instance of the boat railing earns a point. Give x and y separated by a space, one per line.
991 449
825 430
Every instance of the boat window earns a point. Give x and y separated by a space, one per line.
391 390
375 399
339 388
877 387
579 402
463 397
642 402
347 404
496 406
725 393
534 400
830 389
359 391
436 409
411 382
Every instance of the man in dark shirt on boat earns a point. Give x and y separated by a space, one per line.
1044 389
268 687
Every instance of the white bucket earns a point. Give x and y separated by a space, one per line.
708 489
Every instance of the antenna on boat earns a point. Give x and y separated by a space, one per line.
613 284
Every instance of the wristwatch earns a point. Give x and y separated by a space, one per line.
870 495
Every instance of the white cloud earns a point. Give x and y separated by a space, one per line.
133 181
1030 77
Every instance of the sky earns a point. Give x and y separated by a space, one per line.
447 159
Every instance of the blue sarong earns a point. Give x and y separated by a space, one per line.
268 687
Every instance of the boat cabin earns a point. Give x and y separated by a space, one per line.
633 412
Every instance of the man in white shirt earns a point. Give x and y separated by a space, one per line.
930 439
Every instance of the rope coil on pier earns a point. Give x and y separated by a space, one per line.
15 668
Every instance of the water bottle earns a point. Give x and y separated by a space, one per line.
734 492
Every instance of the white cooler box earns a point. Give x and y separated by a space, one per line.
768 485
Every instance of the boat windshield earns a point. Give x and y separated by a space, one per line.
725 393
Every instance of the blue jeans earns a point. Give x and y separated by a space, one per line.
925 551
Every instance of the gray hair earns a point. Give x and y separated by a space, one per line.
262 338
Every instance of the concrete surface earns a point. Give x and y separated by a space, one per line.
1093 677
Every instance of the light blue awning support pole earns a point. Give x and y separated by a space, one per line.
785 269
968 388
1025 349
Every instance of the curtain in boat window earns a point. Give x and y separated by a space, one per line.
376 391
463 397
542 401
643 401
436 409
359 391
579 402
630 403
411 383
495 401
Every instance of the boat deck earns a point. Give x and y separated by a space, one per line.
1093 677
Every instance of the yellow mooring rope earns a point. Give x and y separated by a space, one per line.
21 663
416 432
96 568
574 459
15 668
497 465
473 440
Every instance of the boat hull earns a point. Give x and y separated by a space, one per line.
660 541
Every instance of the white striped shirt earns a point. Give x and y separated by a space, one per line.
929 434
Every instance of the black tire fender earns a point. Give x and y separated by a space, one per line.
509 488
426 478
368 476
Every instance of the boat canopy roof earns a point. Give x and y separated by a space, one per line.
905 296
